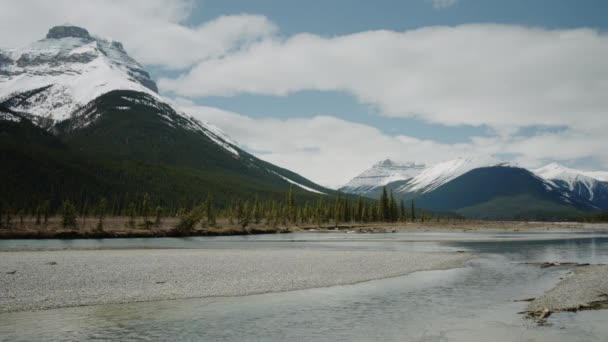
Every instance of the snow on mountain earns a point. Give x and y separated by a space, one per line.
67 70
4 116
599 175
581 182
433 177
382 173
59 77
307 188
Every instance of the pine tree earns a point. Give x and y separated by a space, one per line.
319 212
359 210
392 204
364 216
158 213
132 212
244 215
68 214
345 215
384 206
413 212
188 222
256 212
401 210
274 214
84 211
210 210
8 213
145 210
101 212
3 206
373 212
46 211
291 204
38 215
337 210
21 215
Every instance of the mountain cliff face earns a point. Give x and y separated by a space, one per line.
98 101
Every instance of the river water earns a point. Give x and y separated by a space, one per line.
474 303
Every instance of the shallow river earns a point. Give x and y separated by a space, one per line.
475 303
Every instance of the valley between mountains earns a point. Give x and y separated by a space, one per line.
85 133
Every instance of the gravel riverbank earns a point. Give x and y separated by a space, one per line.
586 288
51 279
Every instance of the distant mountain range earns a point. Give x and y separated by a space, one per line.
486 188
81 119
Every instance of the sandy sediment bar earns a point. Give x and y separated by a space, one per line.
50 279
587 286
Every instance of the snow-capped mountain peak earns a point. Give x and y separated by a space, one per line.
55 76
561 172
381 174
61 76
435 176
581 182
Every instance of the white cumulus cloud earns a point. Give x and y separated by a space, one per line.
154 32
331 151
495 75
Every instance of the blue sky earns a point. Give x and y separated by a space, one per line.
328 88
339 17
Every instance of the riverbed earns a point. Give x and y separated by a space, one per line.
474 298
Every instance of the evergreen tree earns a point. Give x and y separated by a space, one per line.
393 212
3 206
187 222
46 211
132 212
319 212
284 214
244 215
402 214
337 210
21 215
101 212
158 213
384 206
256 212
84 211
8 214
38 215
210 210
68 214
274 214
345 215
145 210
359 210
291 204
364 215
413 211
373 212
